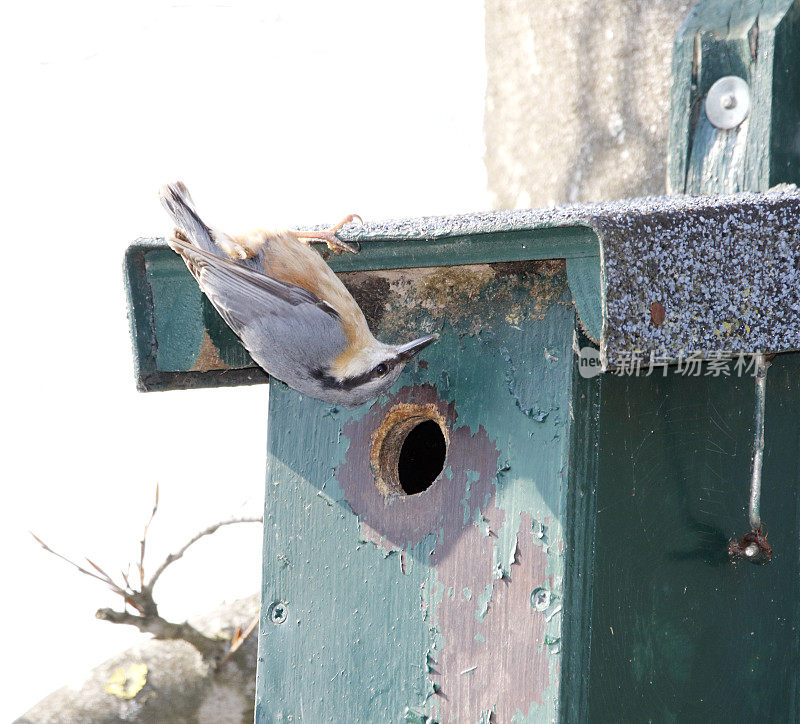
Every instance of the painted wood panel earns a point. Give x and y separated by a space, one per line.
678 631
448 603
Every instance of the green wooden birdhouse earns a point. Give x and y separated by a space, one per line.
542 519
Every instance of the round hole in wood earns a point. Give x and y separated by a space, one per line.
409 449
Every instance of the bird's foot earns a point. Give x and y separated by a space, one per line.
336 245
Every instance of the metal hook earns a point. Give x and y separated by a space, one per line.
758 443
753 545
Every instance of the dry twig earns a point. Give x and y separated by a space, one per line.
215 650
239 638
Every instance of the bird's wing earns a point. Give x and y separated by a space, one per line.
242 294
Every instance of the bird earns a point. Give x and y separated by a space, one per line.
291 312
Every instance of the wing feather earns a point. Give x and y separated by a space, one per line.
222 276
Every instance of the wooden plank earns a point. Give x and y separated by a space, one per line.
756 40
579 543
423 605
179 340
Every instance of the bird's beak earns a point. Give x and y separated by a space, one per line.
407 351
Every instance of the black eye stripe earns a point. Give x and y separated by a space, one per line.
350 383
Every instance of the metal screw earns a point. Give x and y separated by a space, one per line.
540 599
728 102
278 612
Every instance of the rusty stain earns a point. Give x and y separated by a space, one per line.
208 357
752 546
388 438
658 314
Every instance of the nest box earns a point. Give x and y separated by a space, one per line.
534 522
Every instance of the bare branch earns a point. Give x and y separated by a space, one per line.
72 563
104 575
148 619
172 557
112 584
143 542
211 649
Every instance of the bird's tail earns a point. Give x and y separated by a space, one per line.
175 198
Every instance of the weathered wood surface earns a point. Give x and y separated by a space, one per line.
758 41
422 605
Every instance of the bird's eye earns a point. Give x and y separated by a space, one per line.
380 369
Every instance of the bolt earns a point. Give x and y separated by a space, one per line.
728 102
540 599
278 612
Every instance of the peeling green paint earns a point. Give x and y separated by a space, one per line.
472 477
412 715
483 602
360 609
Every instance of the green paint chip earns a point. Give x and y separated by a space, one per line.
483 602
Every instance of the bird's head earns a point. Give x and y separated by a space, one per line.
364 372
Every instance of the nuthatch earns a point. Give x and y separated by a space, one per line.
292 313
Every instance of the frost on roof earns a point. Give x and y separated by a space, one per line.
727 275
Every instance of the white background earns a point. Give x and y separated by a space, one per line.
273 113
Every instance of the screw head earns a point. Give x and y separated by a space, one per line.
728 102
278 612
540 599
751 550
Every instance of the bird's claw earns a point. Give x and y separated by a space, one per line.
334 243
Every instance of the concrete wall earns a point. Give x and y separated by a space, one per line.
577 100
